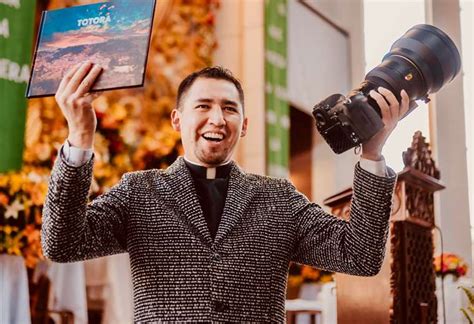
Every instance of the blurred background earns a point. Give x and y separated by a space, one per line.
289 55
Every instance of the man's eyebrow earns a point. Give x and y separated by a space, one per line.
229 102
204 100
225 101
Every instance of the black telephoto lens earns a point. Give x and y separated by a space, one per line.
421 62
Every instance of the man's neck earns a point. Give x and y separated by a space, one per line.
210 173
203 164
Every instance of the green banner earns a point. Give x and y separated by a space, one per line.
16 40
277 108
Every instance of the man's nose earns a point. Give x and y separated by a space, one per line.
216 116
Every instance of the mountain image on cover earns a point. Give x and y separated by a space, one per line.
114 35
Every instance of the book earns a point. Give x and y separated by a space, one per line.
115 35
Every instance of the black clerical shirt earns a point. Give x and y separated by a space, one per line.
211 187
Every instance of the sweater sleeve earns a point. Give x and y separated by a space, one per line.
74 230
356 246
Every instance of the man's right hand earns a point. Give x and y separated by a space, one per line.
75 101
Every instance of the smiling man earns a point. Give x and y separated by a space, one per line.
207 241
210 117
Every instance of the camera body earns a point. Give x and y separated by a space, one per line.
345 122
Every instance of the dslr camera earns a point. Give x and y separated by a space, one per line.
422 61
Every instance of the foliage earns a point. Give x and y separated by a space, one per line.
469 311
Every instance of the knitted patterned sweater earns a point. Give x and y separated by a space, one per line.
179 273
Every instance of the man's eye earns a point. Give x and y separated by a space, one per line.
230 108
202 106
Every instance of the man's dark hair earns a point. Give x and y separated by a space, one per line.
214 72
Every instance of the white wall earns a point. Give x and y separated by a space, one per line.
467 33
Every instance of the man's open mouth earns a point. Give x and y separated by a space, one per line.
213 137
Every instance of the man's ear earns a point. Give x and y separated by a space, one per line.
176 120
244 127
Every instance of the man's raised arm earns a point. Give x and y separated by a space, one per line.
356 246
71 230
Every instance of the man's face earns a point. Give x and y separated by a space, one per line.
210 120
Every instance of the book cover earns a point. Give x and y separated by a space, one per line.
115 35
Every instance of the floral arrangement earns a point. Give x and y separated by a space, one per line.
448 263
21 199
133 132
299 274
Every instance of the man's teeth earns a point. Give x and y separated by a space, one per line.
213 136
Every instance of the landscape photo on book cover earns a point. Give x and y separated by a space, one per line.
114 35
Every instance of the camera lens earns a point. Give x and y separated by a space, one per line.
432 52
422 61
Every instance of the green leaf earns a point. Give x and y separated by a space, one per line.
469 294
467 315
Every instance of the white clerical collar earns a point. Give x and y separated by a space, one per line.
210 172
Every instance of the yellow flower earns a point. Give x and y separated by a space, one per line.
4 180
14 244
14 250
326 278
7 229
16 181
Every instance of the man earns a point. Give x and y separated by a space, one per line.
207 241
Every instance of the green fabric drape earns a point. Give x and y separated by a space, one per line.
277 108
16 40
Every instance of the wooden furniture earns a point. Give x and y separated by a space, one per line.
39 298
297 307
291 315
404 290
95 303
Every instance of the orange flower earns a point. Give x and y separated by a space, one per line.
31 233
38 194
304 273
3 199
450 264
310 273
294 281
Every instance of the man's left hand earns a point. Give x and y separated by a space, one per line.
392 111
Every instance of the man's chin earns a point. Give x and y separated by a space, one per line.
213 160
